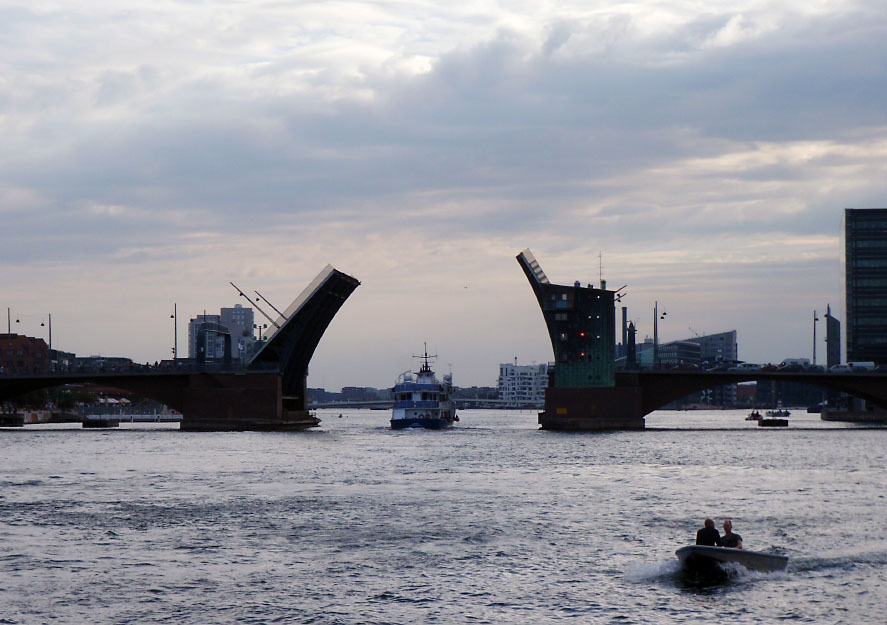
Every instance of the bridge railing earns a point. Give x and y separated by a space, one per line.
136 369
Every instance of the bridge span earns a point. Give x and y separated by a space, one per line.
638 393
270 393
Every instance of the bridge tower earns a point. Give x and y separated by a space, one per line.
581 320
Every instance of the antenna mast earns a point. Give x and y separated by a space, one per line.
246 297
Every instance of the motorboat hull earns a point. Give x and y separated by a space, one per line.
701 556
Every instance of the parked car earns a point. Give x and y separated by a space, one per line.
840 369
745 367
791 367
800 362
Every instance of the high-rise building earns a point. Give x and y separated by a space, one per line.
865 274
522 385
239 321
213 346
721 347
832 339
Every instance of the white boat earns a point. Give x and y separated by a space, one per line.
421 401
701 556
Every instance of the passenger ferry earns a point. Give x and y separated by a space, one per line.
422 401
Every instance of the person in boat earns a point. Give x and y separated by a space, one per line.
708 535
729 539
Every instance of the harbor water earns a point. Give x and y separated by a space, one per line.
491 521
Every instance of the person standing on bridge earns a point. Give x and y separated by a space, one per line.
708 535
729 539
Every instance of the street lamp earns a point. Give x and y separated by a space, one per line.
815 319
656 318
175 333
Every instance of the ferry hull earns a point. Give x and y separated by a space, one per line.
421 422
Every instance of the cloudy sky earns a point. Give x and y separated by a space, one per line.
702 151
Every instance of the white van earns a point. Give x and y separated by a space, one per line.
860 367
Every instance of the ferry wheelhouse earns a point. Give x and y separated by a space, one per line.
421 401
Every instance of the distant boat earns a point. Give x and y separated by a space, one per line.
773 423
701 557
754 415
423 402
779 412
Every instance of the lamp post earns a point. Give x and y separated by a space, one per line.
656 317
49 330
175 333
815 319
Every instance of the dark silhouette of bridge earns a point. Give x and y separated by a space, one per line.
638 393
269 393
586 392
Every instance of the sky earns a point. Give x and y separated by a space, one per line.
700 152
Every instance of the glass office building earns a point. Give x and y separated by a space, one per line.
865 259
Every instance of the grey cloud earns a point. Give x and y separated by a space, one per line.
531 131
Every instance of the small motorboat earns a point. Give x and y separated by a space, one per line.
754 415
701 557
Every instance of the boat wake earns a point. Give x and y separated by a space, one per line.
843 562
641 572
671 572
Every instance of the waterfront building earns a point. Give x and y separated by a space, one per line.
23 354
61 361
717 348
239 321
213 344
522 385
832 339
865 274
673 354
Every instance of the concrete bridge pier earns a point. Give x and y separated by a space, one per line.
245 401
590 409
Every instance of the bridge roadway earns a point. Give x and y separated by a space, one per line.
163 384
387 404
638 393
205 394
208 398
